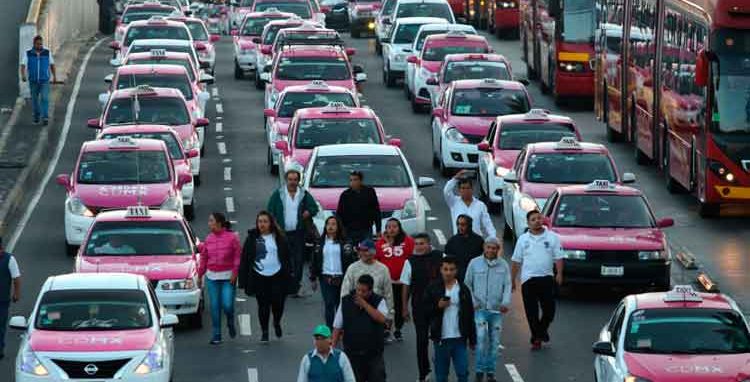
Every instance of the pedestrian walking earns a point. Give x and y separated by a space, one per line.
464 203
488 279
465 244
331 258
293 208
265 271
538 258
36 66
421 270
325 363
367 264
450 310
359 209
360 320
392 249
219 263
10 290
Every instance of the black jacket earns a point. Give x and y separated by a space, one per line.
464 249
348 256
247 277
425 269
359 210
432 296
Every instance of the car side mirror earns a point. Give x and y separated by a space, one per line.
432 81
63 180
115 45
437 112
192 153
214 38
207 79
394 142
269 113
282 146
605 348
628 177
93 123
350 51
511 177
483 146
665 223
18 323
202 122
103 98
169 321
412 59
255 40
265 50
424 181
108 78
184 178
234 32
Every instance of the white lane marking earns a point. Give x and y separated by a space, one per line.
219 127
58 150
215 91
222 148
440 236
240 299
219 137
227 174
229 201
431 218
514 374
227 188
219 108
252 374
227 160
245 329
219 118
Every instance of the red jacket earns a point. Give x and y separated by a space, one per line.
220 252
394 257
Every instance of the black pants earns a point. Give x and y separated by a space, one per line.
296 240
422 327
270 295
398 308
356 236
539 292
368 367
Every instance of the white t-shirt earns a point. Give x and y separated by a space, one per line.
13 268
332 258
537 254
338 320
450 314
406 273
267 257
291 207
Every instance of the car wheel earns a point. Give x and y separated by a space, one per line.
188 211
415 107
195 320
391 81
237 71
197 180
407 92
70 250
274 169
709 210
378 47
435 156
258 83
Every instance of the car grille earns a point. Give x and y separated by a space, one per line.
424 93
91 369
613 256
473 139
473 158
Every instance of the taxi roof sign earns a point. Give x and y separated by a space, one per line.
568 143
336 107
273 10
158 53
122 141
318 84
682 293
456 33
600 185
537 114
144 89
137 212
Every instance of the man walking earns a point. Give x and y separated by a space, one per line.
359 209
291 206
466 204
465 244
488 278
325 363
421 270
360 319
450 311
10 290
367 265
537 252
36 66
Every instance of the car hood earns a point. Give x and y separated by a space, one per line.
505 158
611 239
122 195
471 125
689 368
92 341
390 198
163 267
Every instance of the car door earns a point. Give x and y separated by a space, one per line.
166 334
608 366
512 189
386 45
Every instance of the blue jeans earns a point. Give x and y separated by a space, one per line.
489 324
39 99
221 297
3 323
331 297
451 349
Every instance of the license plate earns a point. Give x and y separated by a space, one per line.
612 271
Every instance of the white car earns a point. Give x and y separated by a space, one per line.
106 326
179 46
424 8
384 167
157 27
383 23
398 45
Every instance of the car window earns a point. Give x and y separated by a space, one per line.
488 102
328 131
549 205
475 70
92 310
301 9
124 167
271 33
441 10
569 168
254 26
180 82
166 61
405 33
598 210
519 161
515 136
294 101
168 138
615 325
438 53
388 7
379 170
169 48
131 238
156 110
313 68
197 31
150 32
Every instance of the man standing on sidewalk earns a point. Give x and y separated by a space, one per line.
538 257
10 279
488 278
36 66
325 363
359 209
466 204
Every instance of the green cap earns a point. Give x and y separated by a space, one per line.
323 331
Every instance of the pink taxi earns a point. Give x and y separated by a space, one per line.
143 11
470 66
302 8
156 27
315 94
541 168
239 10
163 57
117 173
156 244
247 40
106 326
309 33
507 136
202 40
263 58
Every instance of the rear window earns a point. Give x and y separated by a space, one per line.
150 32
301 9
180 82
91 310
515 136
441 10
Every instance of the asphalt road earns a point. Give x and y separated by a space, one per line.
719 243
12 15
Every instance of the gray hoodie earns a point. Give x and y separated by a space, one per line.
490 282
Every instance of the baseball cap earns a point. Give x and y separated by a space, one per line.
366 245
322 331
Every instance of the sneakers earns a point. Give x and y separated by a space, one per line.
545 337
232 331
264 337
45 122
35 121
491 377
277 330
215 341
398 336
536 345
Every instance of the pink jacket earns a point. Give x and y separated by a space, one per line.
220 252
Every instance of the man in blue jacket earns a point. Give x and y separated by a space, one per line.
36 66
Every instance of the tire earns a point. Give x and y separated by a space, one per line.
272 168
258 83
415 107
407 93
203 150
709 210
435 157
378 47
188 211
389 80
507 231
238 74
612 135
70 250
197 180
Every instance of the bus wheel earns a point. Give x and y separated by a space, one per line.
672 186
708 210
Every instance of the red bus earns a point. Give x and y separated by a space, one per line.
675 82
557 41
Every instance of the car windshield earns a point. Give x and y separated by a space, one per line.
138 238
158 80
138 15
379 170
150 32
253 26
603 211
247 3
438 53
662 331
329 131
441 10
569 168
156 110
475 70
123 167
515 136
388 7
489 102
301 9
731 116
271 33
293 101
312 68
406 33
579 20
168 138
92 309
197 31
166 61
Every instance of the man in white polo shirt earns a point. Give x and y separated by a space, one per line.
538 256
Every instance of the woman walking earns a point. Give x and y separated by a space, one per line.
332 256
219 263
264 271
393 249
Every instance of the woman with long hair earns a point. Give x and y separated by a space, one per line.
393 249
332 256
265 271
219 263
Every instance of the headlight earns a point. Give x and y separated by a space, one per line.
187 284
527 203
572 67
371 25
425 73
172 203
501 171
453 135
410 209
76 207
720 170
30 363
633 378
652 255
153 361
574 254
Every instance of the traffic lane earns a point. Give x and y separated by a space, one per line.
14 13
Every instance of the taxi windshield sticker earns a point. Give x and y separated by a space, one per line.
123 190
463 109
643 343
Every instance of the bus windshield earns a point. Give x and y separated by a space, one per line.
578 20
732 86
